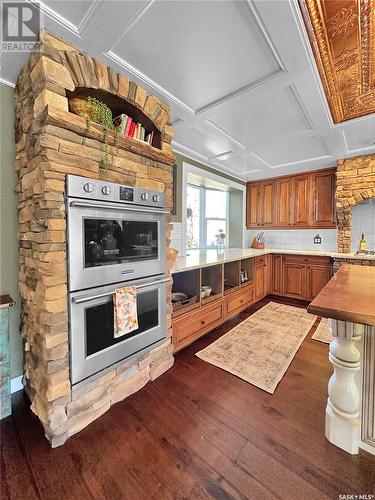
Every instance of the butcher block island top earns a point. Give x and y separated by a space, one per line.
348 296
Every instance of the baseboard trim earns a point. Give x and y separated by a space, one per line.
16 384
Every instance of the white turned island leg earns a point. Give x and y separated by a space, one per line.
343 407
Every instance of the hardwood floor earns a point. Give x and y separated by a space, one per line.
196 432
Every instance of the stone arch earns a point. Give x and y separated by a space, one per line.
355 183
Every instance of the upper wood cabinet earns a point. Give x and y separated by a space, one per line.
298 201
252 204
284 201
302 195
267 203
323 187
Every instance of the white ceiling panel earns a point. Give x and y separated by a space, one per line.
270 117
205 140
71 10
287 150
240 162
360 136
198 51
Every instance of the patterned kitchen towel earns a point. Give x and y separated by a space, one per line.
125 311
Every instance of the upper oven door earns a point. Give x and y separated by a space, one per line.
109 242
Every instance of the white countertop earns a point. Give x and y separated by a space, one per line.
204 258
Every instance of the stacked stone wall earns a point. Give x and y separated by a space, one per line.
50 143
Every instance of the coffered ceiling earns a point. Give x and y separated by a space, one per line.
240 77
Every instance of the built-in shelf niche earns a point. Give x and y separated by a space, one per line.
248 266
187 282
212 276
119 105
231 276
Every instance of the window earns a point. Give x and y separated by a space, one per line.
206 215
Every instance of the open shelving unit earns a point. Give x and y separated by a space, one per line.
248 266
187 282
212 276
118 105
231 276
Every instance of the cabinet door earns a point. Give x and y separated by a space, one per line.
267 203
301 200
252 206
277 275
317 278
323 193
284 200
294 280
260 280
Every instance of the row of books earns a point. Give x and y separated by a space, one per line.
129 128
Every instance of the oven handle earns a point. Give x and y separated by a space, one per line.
91 204
87 298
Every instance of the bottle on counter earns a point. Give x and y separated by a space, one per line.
362 243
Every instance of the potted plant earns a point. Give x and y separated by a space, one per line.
95 111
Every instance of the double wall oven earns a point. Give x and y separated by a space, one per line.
116 238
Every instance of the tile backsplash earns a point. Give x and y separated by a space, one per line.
176 237
298 239
363 221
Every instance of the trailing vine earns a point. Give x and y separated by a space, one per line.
101 114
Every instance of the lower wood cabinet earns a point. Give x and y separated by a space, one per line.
296 276
317 278
294 280
276 271
304 277
261 277
192 326
237 301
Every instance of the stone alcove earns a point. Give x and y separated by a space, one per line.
50 143
355 183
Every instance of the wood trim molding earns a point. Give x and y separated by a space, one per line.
368 389
342 38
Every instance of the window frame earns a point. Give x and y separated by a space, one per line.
203 220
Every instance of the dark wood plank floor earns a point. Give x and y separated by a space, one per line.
196 432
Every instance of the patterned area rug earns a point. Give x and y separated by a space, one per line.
260 349
322 333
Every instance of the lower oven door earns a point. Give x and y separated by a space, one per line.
111 242
93 346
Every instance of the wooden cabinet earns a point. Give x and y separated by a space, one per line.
301 194
194 325
261 277
267 203
252 204
323 209
304 277
317 278
239 300
294 280
299 201
276 281
284 201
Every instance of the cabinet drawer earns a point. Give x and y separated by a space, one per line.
260 260
239 300
192 326
307 259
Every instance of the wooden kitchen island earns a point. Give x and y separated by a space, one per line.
348 300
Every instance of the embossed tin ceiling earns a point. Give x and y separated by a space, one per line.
342 36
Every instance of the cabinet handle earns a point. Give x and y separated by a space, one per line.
203 322
241 301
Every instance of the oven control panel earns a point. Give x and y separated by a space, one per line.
91 189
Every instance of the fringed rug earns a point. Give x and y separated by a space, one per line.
322 333
260 349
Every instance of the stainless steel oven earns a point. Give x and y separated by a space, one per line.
115 232
93 346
